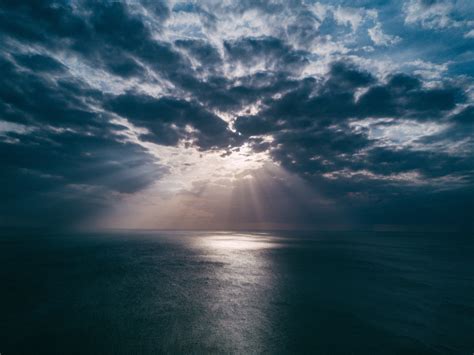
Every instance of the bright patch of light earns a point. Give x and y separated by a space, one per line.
237 241
188 165
389 132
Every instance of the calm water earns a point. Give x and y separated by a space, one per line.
201 292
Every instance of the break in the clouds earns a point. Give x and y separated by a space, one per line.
245 114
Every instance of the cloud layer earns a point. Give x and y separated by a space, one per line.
108 103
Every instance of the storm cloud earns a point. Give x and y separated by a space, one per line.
101 102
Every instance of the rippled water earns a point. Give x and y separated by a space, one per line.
201 292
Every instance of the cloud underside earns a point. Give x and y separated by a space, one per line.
89 88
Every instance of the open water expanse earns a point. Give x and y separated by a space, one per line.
234 292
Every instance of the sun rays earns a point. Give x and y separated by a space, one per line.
266 197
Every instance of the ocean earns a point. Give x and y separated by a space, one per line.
193 292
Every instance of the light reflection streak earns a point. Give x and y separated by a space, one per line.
244 283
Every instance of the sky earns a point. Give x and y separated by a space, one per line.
237 114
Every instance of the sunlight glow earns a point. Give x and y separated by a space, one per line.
209 166
237 241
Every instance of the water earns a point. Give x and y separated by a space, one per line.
208 292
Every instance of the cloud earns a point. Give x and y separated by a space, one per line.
63 159
403 96
207 55
170 121
47 173
469 34
272 53
98 98
312 137
434 14
380 38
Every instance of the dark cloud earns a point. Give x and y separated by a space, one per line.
204 52
312 137
105 33
29 97
465 117
346 77
312 103
430 164
404 97
276 54
460 129
62 154
71 171
82 159
39 63
170 120
333 101
67 162
40 22
220 93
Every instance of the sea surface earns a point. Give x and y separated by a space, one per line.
151 292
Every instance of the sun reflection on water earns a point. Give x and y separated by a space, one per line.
238 242
241 287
